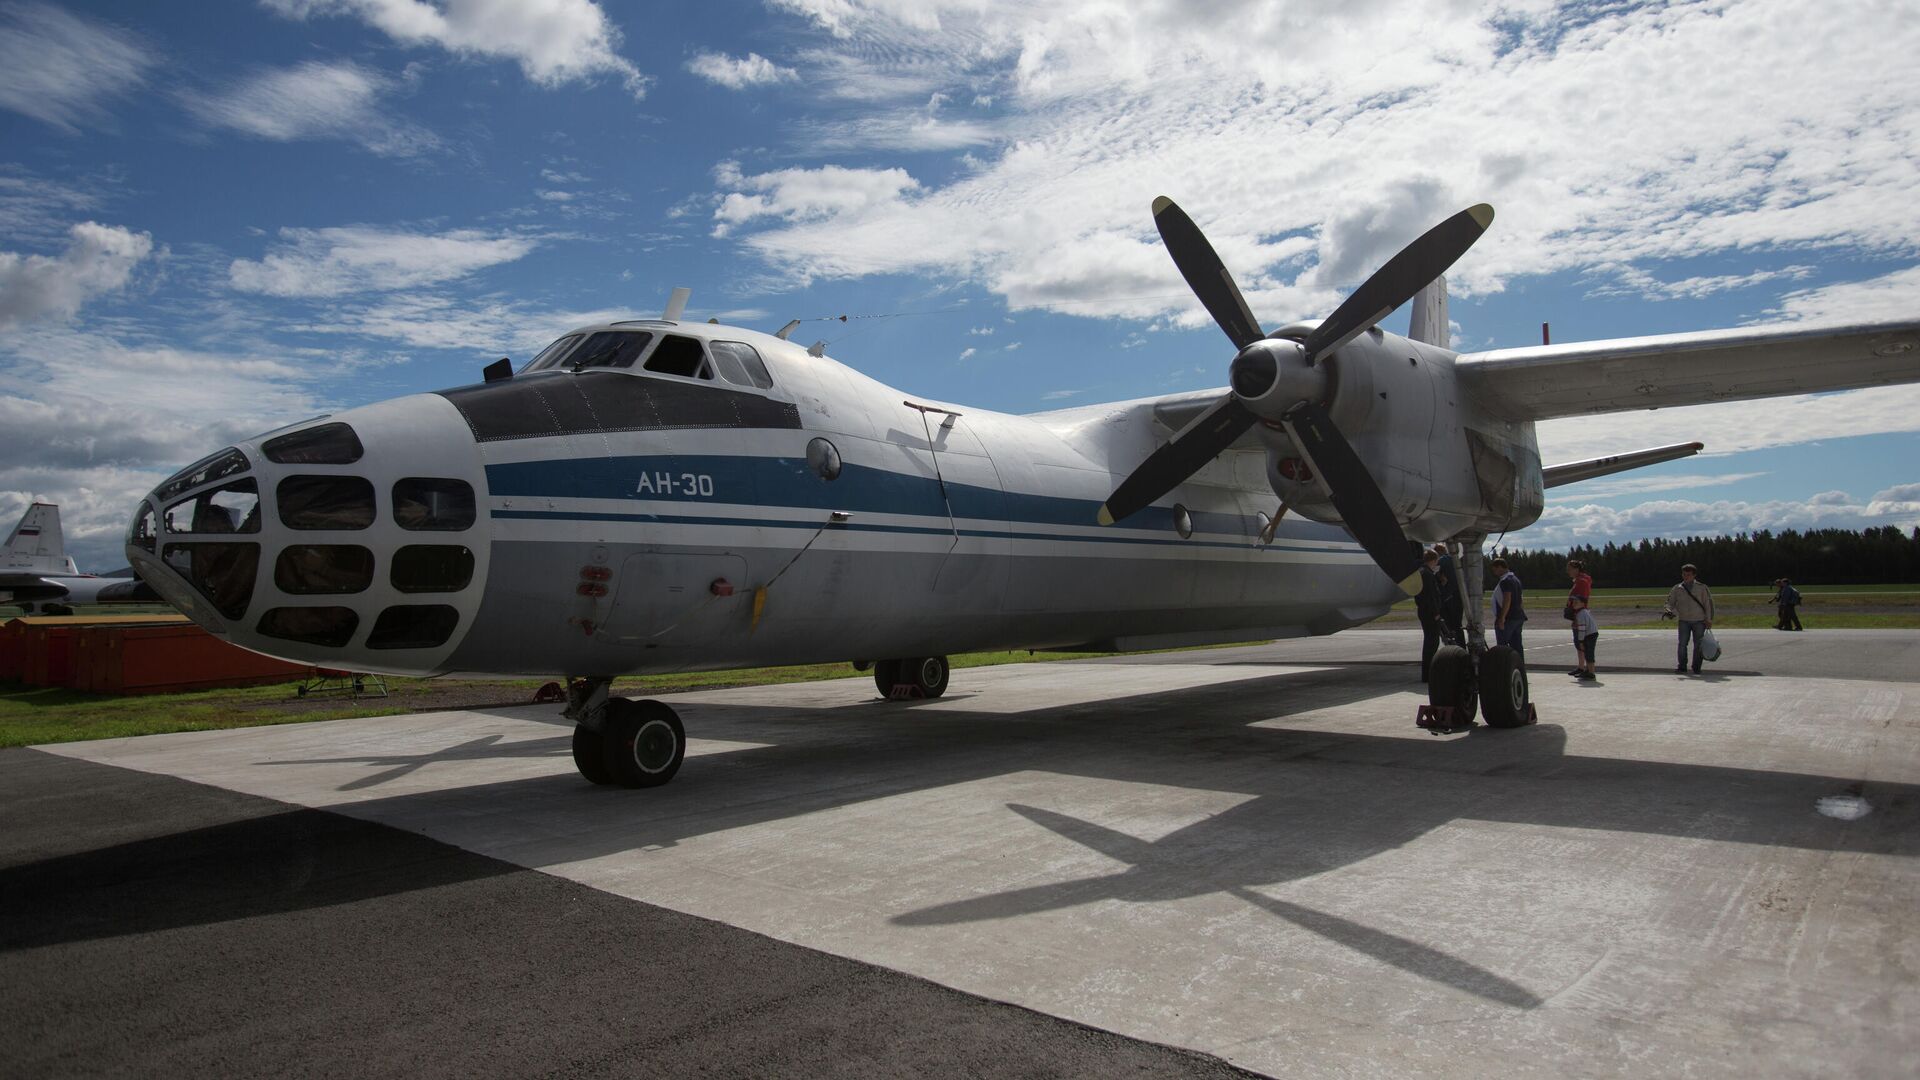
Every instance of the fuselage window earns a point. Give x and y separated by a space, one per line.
432 504
309 569
552 354
732 355
234 508
609 348
680 356
413 626
419 568
325 502
328 444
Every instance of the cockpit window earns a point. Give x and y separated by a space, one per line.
609 348
680 356
234 508
552 354
740 364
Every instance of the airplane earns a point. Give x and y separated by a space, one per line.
36 572
657 495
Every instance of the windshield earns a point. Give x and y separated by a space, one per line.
552 354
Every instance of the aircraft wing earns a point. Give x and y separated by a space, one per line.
1545 381
18 587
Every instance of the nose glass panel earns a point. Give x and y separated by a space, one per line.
427 568
413 626
232 508
328 444
228 462
433 504
331 627
222 572
316 569
312 503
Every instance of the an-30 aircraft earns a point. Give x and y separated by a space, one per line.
655 495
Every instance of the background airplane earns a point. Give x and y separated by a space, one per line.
37 573
654 495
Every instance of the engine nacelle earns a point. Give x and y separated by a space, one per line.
1443 468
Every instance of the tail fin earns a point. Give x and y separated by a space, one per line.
37 542
1429 321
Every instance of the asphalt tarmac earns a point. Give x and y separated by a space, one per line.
1247 852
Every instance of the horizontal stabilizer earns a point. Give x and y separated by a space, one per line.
1575 471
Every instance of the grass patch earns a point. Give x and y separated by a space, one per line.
31 715
1854 621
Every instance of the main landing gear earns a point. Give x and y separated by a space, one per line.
623 743
914 677
1468 677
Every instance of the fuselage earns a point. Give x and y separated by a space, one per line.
712 497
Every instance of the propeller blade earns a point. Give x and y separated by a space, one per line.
1169 466
1206 275
1396 283
1362 508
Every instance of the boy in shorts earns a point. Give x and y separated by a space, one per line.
1585 633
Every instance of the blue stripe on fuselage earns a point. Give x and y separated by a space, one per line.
789 483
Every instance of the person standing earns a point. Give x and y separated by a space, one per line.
1691 602
1427 604
1452 609
1582 591
1509 613
1788 598
1586 634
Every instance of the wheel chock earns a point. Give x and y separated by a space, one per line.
1533 715
1439 720
905 691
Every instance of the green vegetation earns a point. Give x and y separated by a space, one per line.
31 714
1816 557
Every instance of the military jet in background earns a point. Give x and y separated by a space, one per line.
37 573
658 495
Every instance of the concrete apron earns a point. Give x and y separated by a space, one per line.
1262 861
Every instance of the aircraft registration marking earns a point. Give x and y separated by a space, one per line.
695 485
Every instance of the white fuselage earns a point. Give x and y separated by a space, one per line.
632 521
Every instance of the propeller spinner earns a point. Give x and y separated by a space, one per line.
1257 372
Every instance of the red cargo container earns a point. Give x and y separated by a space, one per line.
169 659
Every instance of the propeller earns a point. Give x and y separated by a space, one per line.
1355 495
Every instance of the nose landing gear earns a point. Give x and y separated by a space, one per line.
623 743
914 677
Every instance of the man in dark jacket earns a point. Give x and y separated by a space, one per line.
1509 614
1788 598
1427 604
1452 608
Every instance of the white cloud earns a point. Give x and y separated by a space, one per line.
1732 427
1890 296
63 69
488 324
1057 395
1308 166
981 331
1566 524
98 259
362 258
751 70
554 41
1612 486
967 353
804 196
313 100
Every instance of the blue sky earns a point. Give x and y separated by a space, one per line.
218 217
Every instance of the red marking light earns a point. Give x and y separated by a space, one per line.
589 588
596 573
721 587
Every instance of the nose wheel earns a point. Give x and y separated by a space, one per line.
914 677
636 744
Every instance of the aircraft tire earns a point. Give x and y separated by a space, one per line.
928 674
643 743
885 674
590 754
1450 682
1503 688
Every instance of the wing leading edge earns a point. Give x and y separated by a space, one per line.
1542 382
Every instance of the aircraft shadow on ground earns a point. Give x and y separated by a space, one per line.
1316 800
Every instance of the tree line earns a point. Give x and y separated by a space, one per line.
1879 555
